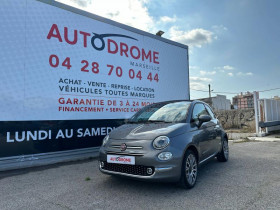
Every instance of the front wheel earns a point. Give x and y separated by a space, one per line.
189 170
224 153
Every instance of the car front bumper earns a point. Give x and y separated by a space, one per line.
160 174
167 171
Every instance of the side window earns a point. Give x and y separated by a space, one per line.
210 112
198 110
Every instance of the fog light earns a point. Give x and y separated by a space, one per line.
101 164
165 156
149 171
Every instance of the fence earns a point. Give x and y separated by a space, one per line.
267 115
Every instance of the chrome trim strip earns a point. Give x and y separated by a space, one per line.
124 174
128 147
115 146
125 153
136 176
134 147
208 158
163 169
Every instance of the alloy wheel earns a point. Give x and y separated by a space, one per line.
191 169
225 149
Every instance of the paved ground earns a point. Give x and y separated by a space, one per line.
250 180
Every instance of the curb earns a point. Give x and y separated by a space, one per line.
264 139
255 139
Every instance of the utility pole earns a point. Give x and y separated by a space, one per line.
256 112
209 91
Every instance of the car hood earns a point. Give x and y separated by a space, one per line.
148 131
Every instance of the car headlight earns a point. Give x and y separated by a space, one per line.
105 140
161 142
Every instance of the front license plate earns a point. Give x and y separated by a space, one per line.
130 160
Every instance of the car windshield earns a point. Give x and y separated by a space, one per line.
162 112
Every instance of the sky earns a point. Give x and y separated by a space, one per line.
233 45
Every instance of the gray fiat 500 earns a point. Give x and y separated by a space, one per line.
165 142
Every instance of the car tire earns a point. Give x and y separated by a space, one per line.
189 170
223 155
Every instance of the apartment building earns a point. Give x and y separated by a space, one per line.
244 100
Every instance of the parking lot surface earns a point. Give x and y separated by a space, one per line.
249 180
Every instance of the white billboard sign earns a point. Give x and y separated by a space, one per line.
58 65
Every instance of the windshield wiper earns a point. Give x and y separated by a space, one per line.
132 122
160 121
148 121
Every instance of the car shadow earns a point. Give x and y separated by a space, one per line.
22 171
207 170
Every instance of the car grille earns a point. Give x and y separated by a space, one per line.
127 169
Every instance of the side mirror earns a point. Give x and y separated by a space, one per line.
203 118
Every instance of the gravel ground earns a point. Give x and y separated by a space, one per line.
249 180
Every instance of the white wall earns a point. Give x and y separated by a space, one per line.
220 102
272 113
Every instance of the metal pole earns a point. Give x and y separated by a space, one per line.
256 112
265 102
209 90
